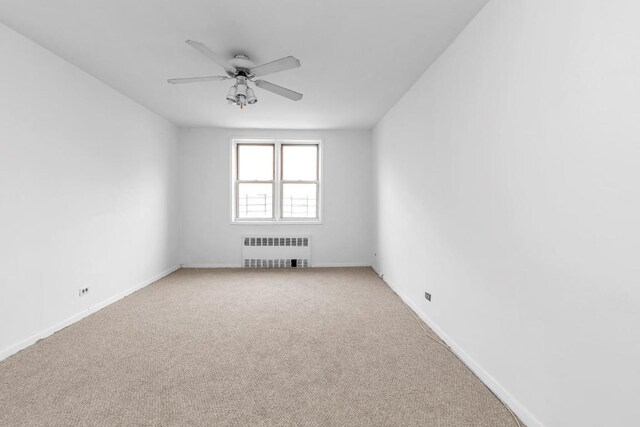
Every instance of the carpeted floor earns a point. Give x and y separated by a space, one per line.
249 348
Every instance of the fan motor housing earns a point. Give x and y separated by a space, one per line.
242 63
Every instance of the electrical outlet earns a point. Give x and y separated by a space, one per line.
83 291
427 296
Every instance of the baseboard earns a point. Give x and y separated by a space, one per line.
195 265
79 316
321 265
519 409
375 268
341 264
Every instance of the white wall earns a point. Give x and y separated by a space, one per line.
88 183
207 237
508 187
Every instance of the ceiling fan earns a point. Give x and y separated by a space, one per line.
244 71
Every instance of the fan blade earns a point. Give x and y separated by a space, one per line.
279 90
276 66
197 79
212 55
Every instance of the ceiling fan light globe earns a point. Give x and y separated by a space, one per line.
251 97
231 96
242 89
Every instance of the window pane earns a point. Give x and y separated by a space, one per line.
255 162
299 201
255 201
299 162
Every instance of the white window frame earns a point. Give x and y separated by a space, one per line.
278 181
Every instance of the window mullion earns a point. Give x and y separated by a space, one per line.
277 206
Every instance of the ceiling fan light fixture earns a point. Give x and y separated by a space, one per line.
231 96
251 97
242 89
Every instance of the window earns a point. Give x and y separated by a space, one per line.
276 181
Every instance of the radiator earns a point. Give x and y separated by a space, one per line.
276 251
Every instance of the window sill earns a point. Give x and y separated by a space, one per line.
293 222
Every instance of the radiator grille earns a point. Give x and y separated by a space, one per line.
275 263
276 241
276 251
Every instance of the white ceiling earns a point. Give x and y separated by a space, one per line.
358 56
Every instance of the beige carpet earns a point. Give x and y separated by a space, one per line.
249 348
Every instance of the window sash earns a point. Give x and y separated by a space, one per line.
255 218
239 181
282 200
292 144
283 181
250 144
